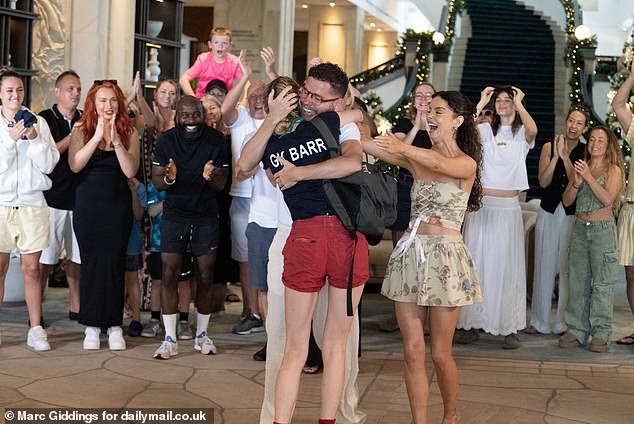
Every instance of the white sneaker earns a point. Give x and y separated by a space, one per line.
37 339
115 338
91 341
204 344
166 350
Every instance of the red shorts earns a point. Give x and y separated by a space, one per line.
320 248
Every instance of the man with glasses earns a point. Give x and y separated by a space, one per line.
324 90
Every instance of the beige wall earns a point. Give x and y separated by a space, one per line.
378 47
336 33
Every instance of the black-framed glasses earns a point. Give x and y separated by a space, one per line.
101 82
304 92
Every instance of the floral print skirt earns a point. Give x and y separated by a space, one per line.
434 271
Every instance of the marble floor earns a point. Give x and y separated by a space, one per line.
538 383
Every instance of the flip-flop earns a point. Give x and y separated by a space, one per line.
627 340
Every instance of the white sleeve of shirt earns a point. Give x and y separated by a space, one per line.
349 132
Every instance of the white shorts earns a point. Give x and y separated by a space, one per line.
61 224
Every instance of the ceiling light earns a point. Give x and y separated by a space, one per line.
372 24
331 4
379 30
304 6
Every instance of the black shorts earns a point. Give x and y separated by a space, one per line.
177 236
155 266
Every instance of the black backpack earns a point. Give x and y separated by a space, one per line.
364 201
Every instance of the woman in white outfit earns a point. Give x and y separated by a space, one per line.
495 233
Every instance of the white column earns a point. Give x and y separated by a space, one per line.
286 37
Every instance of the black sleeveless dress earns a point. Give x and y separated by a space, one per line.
102 220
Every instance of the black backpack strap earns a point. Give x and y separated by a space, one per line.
334 198
333 146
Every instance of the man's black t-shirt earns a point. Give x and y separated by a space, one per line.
190 199
61 195
304 146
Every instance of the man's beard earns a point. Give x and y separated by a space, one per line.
187 135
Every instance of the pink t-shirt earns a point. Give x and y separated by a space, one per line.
206 69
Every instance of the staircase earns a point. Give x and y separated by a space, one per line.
510 45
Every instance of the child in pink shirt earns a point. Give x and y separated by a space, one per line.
218 63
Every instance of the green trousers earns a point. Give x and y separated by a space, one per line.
593 270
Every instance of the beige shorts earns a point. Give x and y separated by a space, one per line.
625 229
24 227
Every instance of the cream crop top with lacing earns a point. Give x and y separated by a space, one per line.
436 203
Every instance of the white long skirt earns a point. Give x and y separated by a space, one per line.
495 236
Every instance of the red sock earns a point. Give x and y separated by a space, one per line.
323 421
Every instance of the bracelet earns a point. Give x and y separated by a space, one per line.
576 187
116 146
166 181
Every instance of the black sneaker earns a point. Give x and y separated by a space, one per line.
250 324
260 355
135 329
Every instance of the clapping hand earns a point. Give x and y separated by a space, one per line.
208 170
583 172
99 129
18 130
562 147
244 65
170 170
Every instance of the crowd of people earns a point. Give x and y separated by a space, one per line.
224 181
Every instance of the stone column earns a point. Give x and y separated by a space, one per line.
49 50
93 37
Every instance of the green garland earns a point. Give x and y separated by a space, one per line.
574 54
424 46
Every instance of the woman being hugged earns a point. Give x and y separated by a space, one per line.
430 274
593 268
319 249
104 150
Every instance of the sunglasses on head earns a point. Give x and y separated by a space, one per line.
102 82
